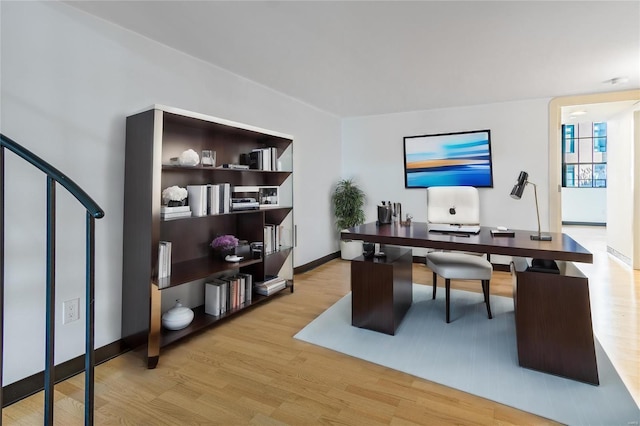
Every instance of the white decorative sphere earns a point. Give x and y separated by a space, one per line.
177 317
189 158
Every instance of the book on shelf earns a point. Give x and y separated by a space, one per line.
268 239
235 166
216 297
255 159
272 238
244 204
237 287
274 158
213 199
270 285
226 197
229 292
248 287
174 209
212 298
164 262
217 199
233 295
264 159
197 199
176 215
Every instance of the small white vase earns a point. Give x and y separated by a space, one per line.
177 317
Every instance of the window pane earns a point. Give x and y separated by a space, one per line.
600 144
585 150
569 130
569 145
570 158
585 130
568 141
586 176
600 171
570 176
599 129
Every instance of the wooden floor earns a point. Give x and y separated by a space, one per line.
250 370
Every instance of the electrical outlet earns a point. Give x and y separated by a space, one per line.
71 310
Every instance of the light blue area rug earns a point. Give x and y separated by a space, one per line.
475 355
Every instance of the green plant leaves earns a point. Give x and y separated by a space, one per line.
348 202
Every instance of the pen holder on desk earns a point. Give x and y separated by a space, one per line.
384 215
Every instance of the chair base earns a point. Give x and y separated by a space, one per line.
447 284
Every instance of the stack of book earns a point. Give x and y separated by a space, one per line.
164 262
272 238
167 213
228 293
209 199
271 286
263 159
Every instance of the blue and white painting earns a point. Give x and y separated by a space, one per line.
452 159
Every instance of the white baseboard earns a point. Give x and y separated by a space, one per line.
615 253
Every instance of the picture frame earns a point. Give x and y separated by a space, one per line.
448 159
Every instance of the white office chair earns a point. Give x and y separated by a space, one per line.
458 205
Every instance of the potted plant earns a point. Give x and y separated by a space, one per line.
348 202
224 245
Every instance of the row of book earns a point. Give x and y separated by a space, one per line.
164 259
262 159
209 199
272 238
228 293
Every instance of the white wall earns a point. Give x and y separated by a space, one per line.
620 174
68 81
586 205
373 155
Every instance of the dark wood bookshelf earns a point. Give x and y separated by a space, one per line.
148 170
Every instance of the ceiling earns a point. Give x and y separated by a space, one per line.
590 113
354 58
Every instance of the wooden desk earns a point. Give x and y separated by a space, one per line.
553 313
563 247
381 290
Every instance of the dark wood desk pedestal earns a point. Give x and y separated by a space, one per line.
381 290
553 322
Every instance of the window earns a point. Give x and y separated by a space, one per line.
584 155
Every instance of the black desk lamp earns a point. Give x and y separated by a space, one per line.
516 193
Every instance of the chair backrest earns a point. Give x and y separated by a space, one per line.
453 204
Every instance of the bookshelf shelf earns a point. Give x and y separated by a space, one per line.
201 321
193 269
156 136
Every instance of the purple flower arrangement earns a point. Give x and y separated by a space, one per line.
224 242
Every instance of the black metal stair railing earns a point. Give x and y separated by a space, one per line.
93 212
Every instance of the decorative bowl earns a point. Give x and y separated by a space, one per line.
177 317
